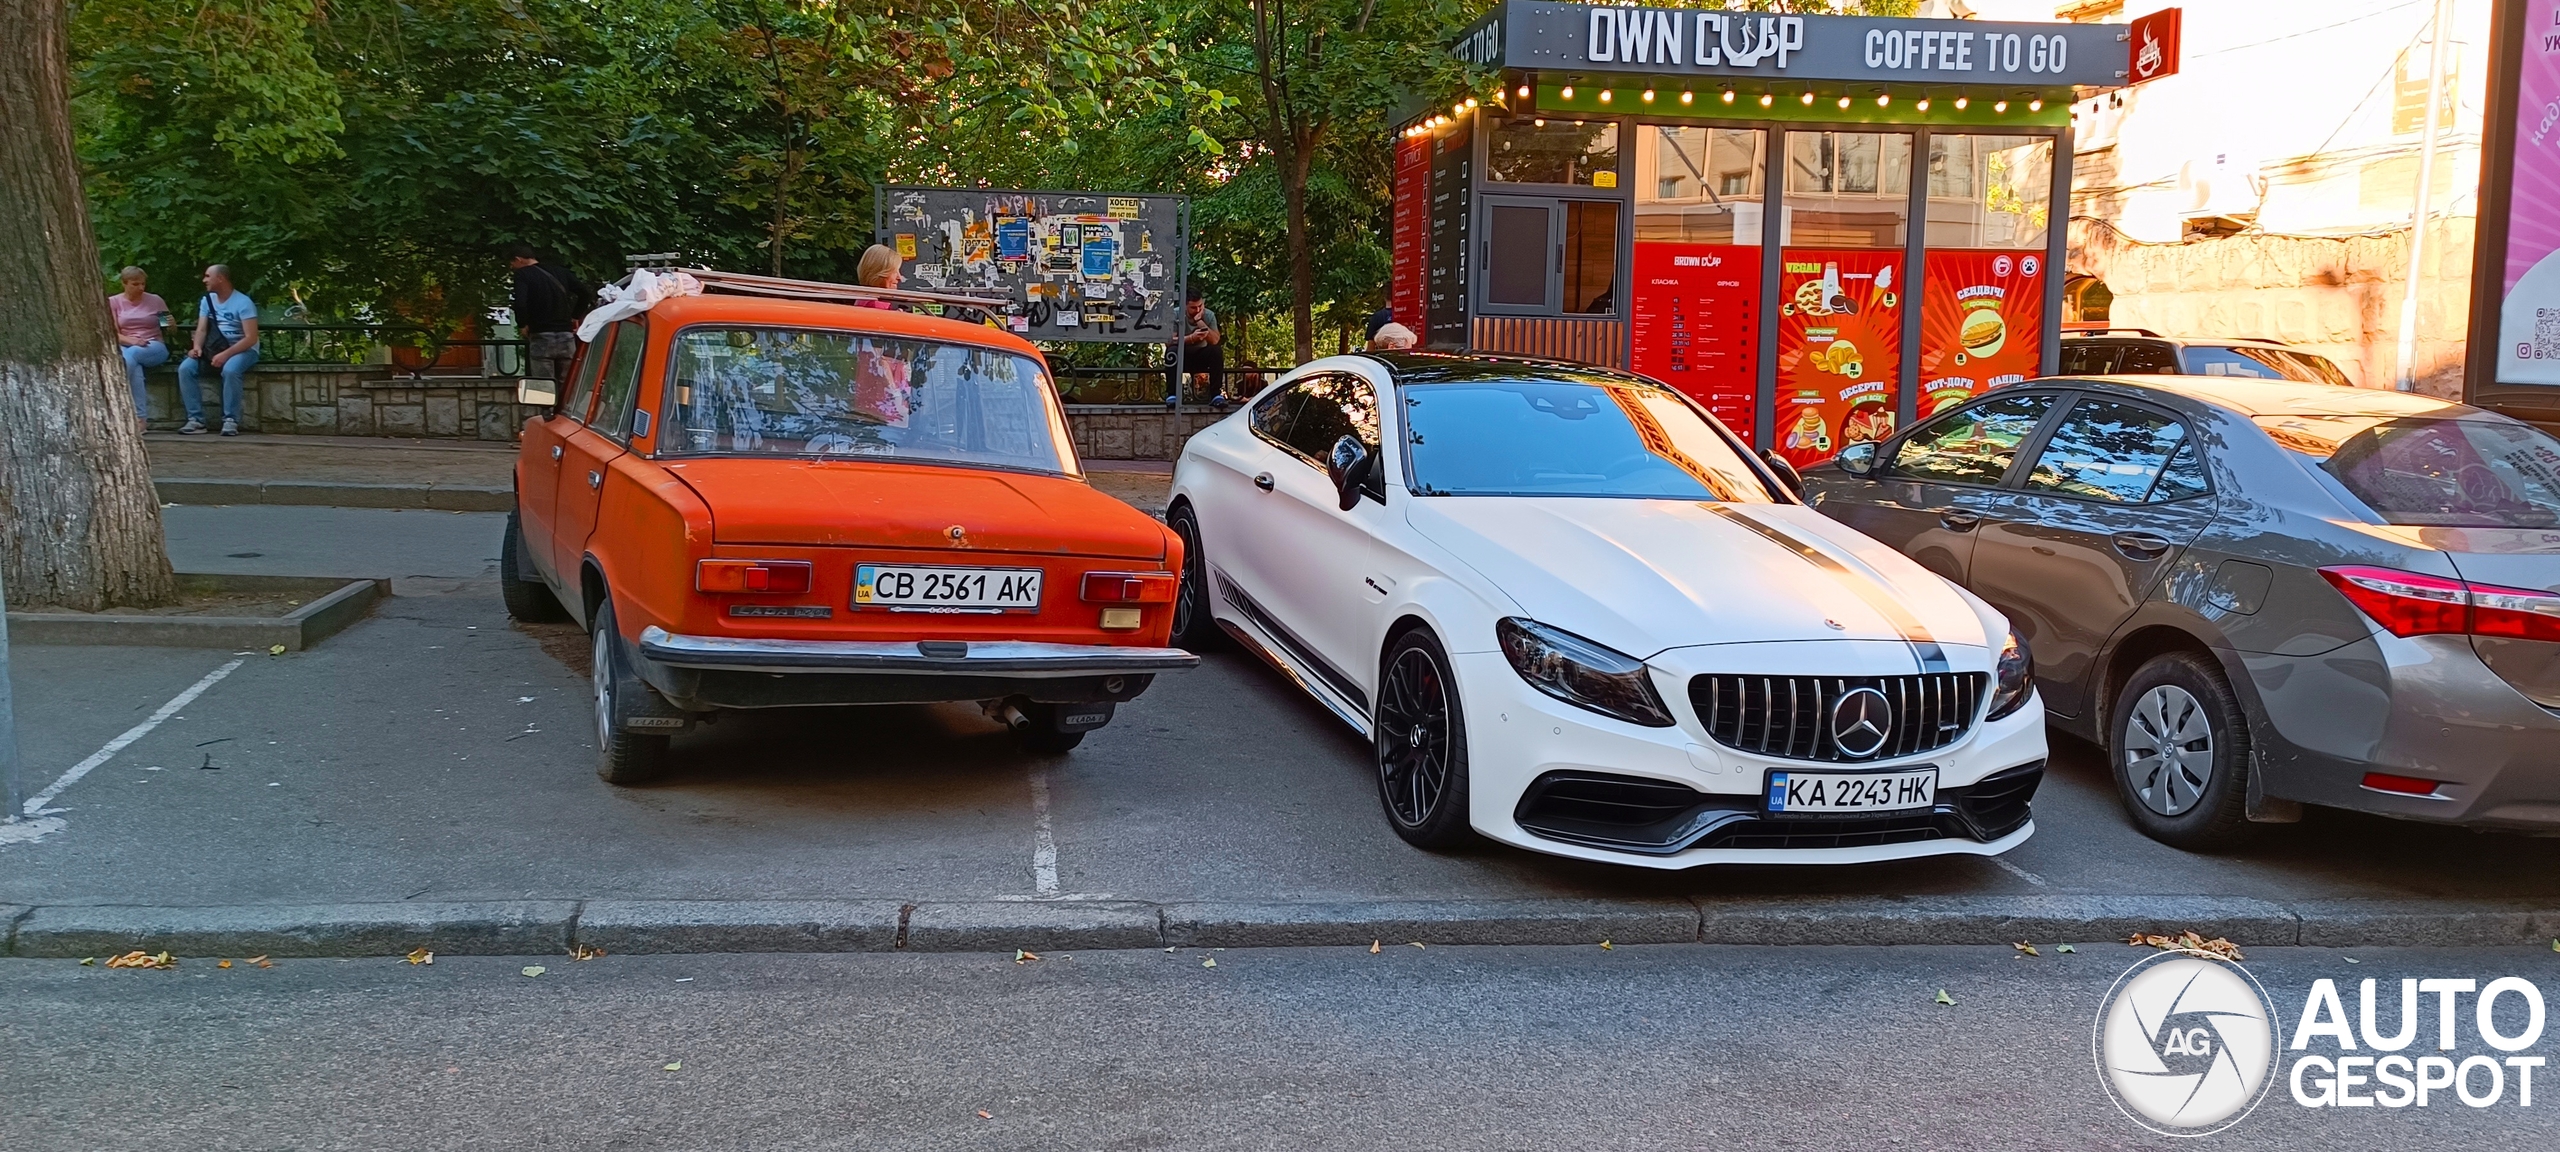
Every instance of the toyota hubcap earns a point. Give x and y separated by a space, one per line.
2168 750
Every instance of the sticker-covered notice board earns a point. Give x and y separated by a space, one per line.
1067 265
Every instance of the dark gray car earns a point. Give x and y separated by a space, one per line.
2255 594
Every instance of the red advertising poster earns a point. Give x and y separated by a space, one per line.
1981 323
1839 348
1410 251
1696 320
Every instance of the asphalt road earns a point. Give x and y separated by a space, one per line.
1413 1049
439 752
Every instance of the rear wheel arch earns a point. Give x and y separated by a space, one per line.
592 589
2135 649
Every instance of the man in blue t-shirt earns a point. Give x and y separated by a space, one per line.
227 340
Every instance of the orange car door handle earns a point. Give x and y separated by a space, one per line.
555 453
595 479
1263 481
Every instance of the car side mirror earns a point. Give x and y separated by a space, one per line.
1351 466
1787 473
1858 459
538 394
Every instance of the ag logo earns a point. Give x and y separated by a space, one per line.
2186 1044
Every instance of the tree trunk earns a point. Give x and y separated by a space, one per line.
1294 164
83 523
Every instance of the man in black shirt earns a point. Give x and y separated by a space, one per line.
547 311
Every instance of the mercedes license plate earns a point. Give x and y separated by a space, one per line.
900 586
1820 793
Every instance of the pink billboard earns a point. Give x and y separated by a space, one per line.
2529 319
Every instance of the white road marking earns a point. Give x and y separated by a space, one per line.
36 803
1044 847
2018 872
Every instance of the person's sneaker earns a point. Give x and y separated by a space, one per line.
230 427
193 427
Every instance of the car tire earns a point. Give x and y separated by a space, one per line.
528 598
1420 734
623 757
1041 733
2178 745
1193 627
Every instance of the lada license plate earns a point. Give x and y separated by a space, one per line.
1818 793
946 589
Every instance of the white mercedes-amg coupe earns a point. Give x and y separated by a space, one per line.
1574 614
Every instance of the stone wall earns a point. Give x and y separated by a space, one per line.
2336 296
1136 431
334 400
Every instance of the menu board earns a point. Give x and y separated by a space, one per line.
1445 288
1411 238
1981 323
2529 316
1696 322
1839 349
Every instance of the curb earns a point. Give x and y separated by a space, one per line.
335 493
335 605
534 927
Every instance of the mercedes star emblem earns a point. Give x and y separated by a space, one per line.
1861 722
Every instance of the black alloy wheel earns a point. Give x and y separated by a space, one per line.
527 597
2178 742
1193 628
1421 737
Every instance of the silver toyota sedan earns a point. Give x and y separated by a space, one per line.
2254 594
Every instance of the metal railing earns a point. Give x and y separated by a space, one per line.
1147 384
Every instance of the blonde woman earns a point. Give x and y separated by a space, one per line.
139 314
879 269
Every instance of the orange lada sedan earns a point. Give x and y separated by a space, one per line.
765 503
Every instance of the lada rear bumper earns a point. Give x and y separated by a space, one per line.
700 673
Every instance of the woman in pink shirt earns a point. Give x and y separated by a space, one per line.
139 315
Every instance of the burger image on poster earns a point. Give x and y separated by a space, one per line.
2529 326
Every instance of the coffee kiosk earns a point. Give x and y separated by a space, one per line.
1821 227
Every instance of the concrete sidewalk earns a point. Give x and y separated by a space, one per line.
445 475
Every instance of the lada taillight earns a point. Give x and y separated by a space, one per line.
767 577
2412 604
1129 587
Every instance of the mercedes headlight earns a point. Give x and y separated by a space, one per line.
2013 678
1582 673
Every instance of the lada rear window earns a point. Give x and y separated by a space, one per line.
1598 436
2433 472
806 393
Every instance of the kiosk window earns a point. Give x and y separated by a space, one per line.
1541 151
1698 185
1516 255
1590 257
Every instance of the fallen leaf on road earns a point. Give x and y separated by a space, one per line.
421 956
1373 946
1417 943
221 963
1943 998
1607 946
2351 960
1023 957
91 961
1211 962
532 970
674 1066
141 959
275 649
582 952
262 962
2064 948
983 1114
2026 949
2189 941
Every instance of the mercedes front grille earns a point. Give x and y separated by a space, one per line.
1791 717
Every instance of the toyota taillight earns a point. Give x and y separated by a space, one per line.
767 577
2411 604
1129 587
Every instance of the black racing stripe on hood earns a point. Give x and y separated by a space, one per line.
1924 646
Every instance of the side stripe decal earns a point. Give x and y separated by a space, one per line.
1924 647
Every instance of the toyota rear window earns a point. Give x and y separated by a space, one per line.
2420 471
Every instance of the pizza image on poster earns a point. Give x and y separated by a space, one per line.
1839 349
1981 323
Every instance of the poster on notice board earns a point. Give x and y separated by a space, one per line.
1839 349
2529 318
1981 323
